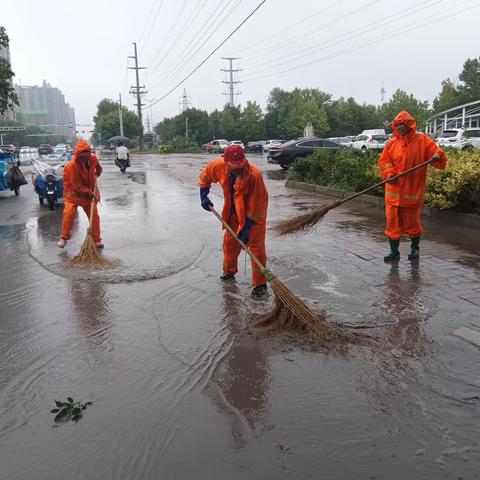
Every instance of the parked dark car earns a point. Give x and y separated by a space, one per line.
288 152
256 147
45 149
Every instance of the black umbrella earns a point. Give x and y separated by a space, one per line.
118 139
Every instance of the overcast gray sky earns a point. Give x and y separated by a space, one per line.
340 47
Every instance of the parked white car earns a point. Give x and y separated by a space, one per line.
460 138
237 142
272 143
343 141
369 141
217 146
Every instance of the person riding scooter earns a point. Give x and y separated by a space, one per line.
122 161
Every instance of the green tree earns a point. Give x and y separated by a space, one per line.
448 97
107 123
230 123
300 110
8 96
252 123
403 101
469 88
287 110
347 117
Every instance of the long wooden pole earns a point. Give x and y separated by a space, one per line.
244 246
379 184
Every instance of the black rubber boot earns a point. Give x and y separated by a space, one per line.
227 276
414 249
259 291
394 255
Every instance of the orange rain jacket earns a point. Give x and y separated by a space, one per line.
78 181
403 153
250 193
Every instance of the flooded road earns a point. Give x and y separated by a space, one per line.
185 387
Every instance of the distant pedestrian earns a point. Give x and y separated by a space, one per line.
244 209
79 180
405 196
123 153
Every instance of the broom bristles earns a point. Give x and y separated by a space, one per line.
89 254
303 222
291 313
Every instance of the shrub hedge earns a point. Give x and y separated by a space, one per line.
457 187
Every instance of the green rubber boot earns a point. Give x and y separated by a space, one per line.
414 249
394 255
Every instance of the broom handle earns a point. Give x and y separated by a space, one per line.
379 184
92 204
230 229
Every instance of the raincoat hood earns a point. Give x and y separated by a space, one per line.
404 118
81 147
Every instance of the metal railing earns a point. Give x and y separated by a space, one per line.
463 116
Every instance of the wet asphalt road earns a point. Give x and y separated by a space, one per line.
183 385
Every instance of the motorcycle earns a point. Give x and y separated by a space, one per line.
48 182
11 178
122 164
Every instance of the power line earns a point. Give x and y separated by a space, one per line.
149 17
328 44
211 53
315 30
152 25
300 22
180 62
349 50
220 21
164 44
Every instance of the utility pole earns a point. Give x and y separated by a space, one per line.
186 127
138 91
120 114
231 82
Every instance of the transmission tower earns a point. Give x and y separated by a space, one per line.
184 102
231 93
382 93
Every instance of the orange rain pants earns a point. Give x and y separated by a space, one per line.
232 249
69 213
403 221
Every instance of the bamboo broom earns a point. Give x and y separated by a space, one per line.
289 312
306 221
89 254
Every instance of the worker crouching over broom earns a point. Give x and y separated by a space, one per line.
404 196
79 188
245 210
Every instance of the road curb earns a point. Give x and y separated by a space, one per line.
450 216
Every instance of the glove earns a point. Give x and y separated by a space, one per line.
206 203
245 231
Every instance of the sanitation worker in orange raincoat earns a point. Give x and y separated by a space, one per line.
245 210
78 191
404 196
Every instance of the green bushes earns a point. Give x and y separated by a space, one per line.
457 187
344 169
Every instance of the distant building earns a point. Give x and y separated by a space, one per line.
5 54
45 106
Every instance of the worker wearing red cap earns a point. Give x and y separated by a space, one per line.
244 209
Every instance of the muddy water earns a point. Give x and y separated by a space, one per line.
185 388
